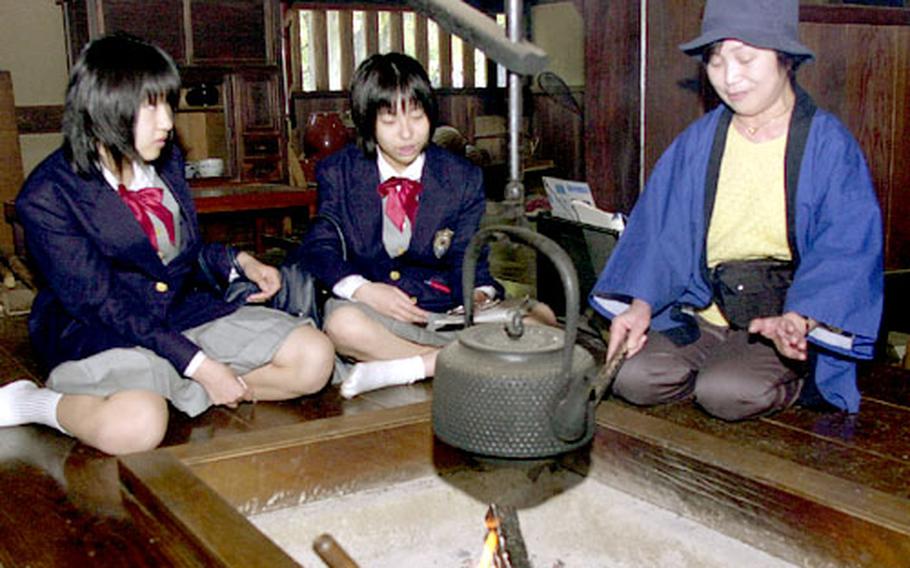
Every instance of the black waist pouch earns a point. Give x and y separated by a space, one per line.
749 289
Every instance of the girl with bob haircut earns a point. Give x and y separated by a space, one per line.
381 84
130 314
407 210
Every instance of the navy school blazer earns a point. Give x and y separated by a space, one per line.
102 284
453 200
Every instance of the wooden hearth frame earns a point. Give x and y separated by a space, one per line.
196 492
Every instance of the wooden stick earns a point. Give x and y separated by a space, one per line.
9 279
22 271
512 539
331 552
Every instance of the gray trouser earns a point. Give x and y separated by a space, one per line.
731 374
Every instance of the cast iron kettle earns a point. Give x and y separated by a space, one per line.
514 391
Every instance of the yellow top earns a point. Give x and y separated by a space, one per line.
749 220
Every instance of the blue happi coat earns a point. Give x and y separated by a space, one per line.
835 232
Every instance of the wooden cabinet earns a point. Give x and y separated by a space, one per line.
229 45
135 17
194 32
231 31
260 146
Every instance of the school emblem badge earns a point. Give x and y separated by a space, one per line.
442 242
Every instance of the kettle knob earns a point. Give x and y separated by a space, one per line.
515 326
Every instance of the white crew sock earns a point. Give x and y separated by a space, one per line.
377 374
23 402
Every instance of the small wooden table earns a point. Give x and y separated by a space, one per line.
220 198
253 198
228 198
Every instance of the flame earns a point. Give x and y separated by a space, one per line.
490 546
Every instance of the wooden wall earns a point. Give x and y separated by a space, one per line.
861 74
612 101
10 156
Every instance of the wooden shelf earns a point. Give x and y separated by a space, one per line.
192 109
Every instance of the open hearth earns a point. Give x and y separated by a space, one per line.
207 493
567 521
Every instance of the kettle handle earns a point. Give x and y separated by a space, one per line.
551 250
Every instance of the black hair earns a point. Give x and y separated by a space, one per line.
113 76
789 61
383 81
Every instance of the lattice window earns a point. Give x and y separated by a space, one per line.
332 42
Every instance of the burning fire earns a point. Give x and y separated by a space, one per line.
494 555
490 549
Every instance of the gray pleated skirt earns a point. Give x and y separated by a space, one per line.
244 340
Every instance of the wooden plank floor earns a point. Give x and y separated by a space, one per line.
61 504
60 501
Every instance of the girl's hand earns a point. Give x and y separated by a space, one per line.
266 277
481 298
630 329
390 301
788 332
221 383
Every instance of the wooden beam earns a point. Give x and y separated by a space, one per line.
182 502
876 16
421 41
396 32
371 29
445 58
295 69
39 119
346 38
320 53
474 26
467 63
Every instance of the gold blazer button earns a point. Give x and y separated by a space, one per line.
395 275
161 287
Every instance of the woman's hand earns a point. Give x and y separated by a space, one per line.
630 329
390 301
266 277
221 383
788 332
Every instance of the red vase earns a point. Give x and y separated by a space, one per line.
324 134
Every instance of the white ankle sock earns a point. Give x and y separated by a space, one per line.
23 402
377 374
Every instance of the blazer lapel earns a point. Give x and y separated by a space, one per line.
434 202
187 206
117 233
366 203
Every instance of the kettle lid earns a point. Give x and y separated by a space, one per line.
492 337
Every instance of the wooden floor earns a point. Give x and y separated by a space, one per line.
61 502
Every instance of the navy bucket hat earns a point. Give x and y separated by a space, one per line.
768 24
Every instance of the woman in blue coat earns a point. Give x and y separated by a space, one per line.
127 318
750 274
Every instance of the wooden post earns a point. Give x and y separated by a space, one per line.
320 62
346 37
10 154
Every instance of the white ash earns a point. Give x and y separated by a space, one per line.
432 522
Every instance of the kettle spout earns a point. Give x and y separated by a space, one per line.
570 417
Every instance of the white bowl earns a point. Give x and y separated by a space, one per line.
210 167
